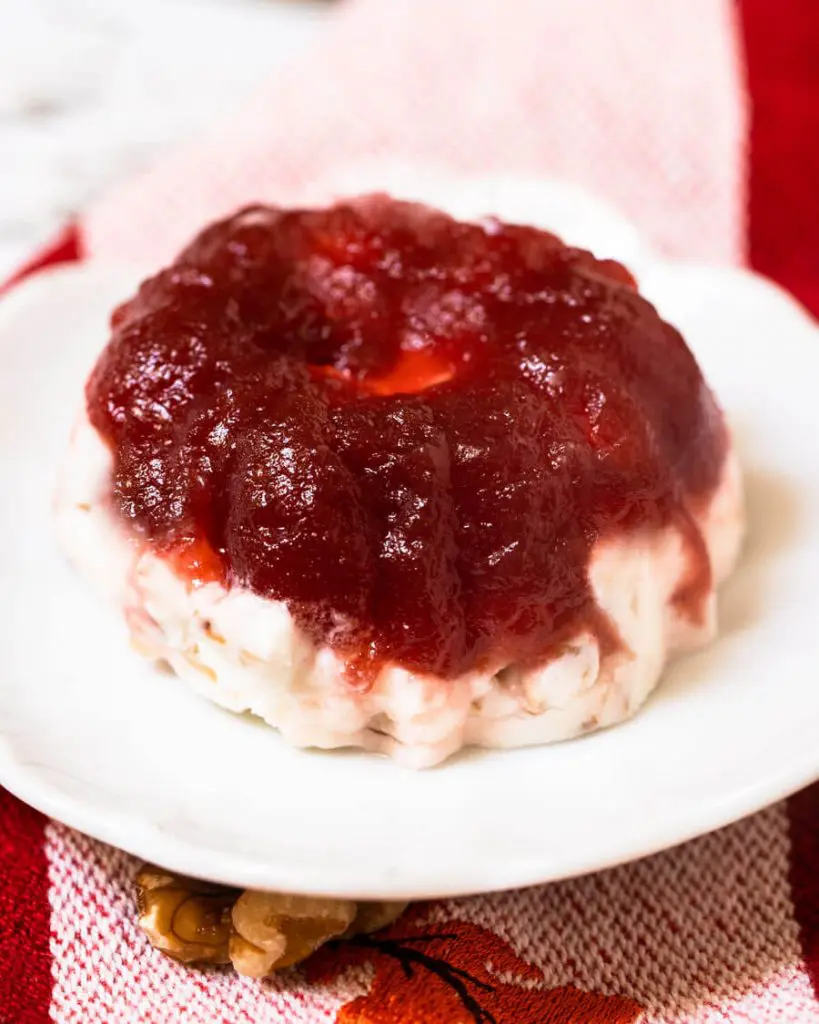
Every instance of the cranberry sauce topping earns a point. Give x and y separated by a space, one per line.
410 429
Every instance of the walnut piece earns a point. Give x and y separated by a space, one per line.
187 919
259 932
372 917
272 930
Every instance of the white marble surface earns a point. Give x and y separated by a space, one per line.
93 90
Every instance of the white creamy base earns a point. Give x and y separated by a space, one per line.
246 653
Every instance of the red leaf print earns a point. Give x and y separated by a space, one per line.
457 973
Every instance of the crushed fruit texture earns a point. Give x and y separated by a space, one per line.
412 430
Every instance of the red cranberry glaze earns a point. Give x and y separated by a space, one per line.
410 429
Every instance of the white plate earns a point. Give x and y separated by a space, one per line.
97 739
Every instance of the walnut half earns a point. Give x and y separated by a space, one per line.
273 930
187 919
373 916
258 932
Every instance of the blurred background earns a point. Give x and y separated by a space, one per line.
91 92
641 102
695 118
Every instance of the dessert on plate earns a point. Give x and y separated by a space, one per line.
393 481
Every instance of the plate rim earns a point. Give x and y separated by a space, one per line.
149 844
